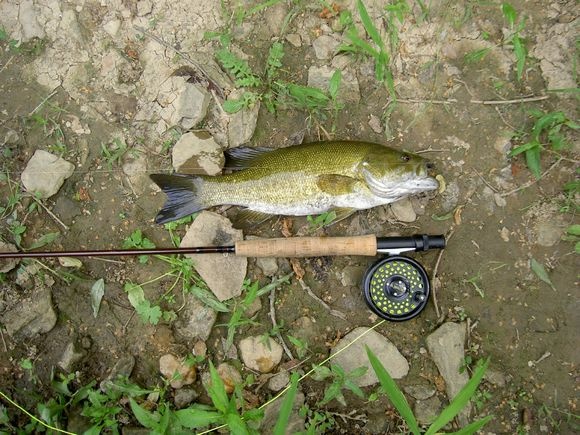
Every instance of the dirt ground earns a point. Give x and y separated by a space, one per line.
79 77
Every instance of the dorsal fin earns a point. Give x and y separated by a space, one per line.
244 157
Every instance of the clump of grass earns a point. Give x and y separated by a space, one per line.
514 38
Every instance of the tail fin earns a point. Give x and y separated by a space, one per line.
182 196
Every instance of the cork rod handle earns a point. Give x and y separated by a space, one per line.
308 246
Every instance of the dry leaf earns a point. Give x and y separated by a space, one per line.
297 268
457 215
287 227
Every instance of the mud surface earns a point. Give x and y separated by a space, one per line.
78 78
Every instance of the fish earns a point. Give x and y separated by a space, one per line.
299 180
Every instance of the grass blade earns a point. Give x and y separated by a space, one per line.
217 390
459 401
473 427
368 24
286 408
397 398
209 299
540 271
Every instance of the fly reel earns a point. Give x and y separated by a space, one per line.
396 288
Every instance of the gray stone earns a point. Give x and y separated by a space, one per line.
72 354
241 125
427 410
197 153
184 397
403 210
296 422
279 381
420 392
260 354
11 137
253 308
348 92
375 124
144 7
136 172
352 275
274 17
45 173
195 320
28 17
325 46
7 264
211 229
268 265
32 316
183 104
495 377
122 368
294 39
377 423
548 233
446 348
355 356
450 197
230 376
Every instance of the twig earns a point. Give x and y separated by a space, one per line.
335 313
42 102
484 180
197 66
531 183
504 120
484 102
126 325
275 324
350 416
3 341
6 64
417 100
435 270
107 260
51 214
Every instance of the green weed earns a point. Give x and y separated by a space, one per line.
547 130
320 221
573 235
171 227
457 404
571 192
301 346
340 380
317 421
138 241
114 152
396 12
515 39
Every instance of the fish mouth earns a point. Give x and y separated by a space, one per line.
399 187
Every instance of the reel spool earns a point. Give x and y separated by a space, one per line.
396 288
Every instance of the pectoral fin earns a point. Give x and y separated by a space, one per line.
336 184
342 213
247 219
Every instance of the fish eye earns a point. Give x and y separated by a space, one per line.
405 158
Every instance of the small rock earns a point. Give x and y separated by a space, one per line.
242 124
505 234
499 200
259 354
279 381
230 376
274 17
7 264
144 7
45 173
112 27
296 422
319 77
377 423
446 348
403 210
11 137
341 61
28 16
253 308
183 103
200 348
495 377
352 275
211 229
420 392
420 204
122 368
184 397
136 172
355 356
32 316
548 233
427 410
71 355
503 144
450 197
294 39
195 320
177 371
269 265
325 46
197 153
375 124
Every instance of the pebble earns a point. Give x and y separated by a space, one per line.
184 397
11 137
197 153
7 264
45 173
72 354
420 392
427 410
294 39
259 354
32 316
375 124
279 381
195 320
177 371
212 229
548 233
403 210
122 368
230 376
325 47
319 77
268 265
505 234
241 125
182 104
446 348
355 355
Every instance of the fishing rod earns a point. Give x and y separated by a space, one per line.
395 288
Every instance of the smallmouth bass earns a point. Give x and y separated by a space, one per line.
299 180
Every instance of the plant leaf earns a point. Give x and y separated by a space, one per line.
443 217
209 299
393 392
286 407
70 262
236 424
522 148
217 390
97 293
533 162
146 418
368 24
460 400
194 417
574 230
334 84
540 271
509 13
473 427
43 241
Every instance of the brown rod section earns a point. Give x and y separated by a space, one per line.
120 252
